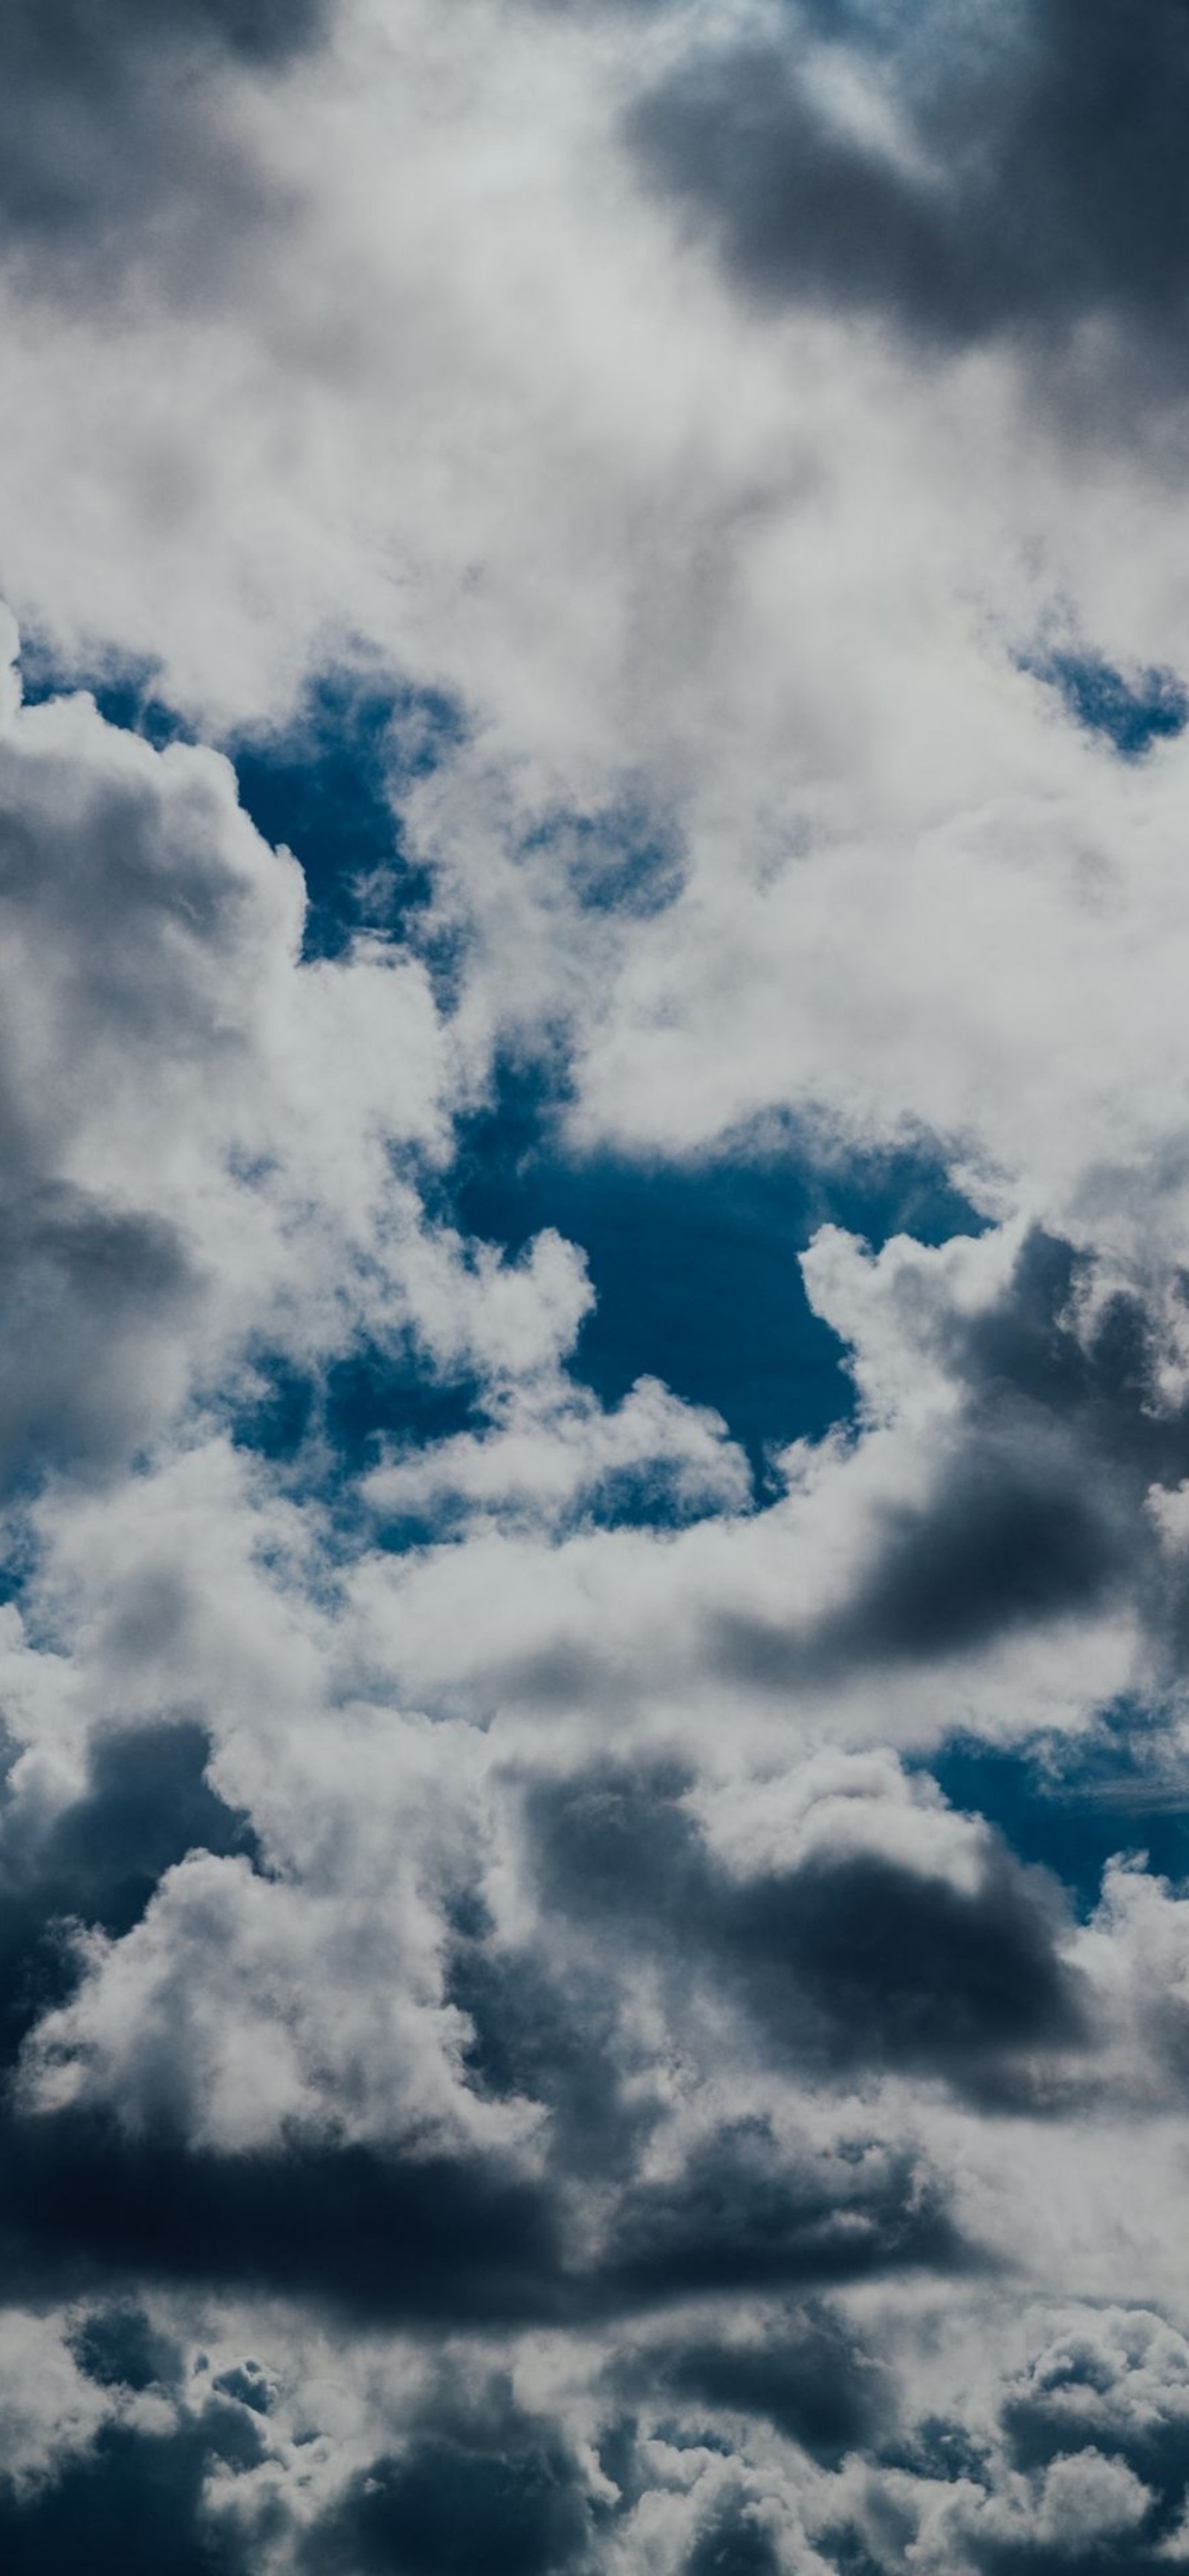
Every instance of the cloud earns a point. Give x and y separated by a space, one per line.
986 180
803 2373
509 2053
1056 1438
426 2239
121 162
118 2346
874 1930
99 1298
1114 2383
555 1456
178 1106
96 1857
139 2496
425 2510
737 2542
745 2214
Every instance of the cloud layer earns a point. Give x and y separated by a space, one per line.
593 1250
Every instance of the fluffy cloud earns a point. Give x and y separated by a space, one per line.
554 1451
183 1112
508 2045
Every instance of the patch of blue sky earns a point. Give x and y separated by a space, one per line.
1131 714
372 1399
325 786
654 1495
322 1431
126 692
697 1282
1073 1806
19 1554
695 1265
624 860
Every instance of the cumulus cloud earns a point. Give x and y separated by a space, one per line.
873 1929
1052 1393
554 1453
509 2051
180 1108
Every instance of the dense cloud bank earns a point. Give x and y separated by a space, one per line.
594 1326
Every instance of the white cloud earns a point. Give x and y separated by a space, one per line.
243 2012
48 2410
553 1449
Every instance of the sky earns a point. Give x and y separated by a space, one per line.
594 1287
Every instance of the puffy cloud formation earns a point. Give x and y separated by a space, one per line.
594 1340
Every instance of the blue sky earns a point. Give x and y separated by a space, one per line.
594 1326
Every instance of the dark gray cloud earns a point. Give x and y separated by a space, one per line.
481 2481
114 136
750 2212
806 2374
426 2239
1082 2465
510 2490
1036 1507
68 37
134 2505
132 897
436 2239
847 1960
474 2478
879 1965
119 2347
132 892
96 1299
96 1862
734 2542
549 2034
1009 1538
1140 2554
1045 181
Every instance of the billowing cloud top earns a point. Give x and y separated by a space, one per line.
594 1328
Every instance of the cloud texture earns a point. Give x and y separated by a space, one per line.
594 1327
